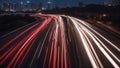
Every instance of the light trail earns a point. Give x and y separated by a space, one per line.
91 34
59 42
97 43
86 45
88 25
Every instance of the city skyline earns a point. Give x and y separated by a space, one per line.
60 3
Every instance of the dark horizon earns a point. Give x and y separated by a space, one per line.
61 3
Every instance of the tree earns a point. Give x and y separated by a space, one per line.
115 2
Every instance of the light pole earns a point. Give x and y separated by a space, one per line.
49 4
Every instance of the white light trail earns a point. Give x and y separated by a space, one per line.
85 45
81 28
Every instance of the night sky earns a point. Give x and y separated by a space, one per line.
62 3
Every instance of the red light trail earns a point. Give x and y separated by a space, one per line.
59 42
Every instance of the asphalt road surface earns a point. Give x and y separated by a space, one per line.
60 41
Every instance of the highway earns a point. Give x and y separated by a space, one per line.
60 41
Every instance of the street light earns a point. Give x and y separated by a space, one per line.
49 3
28 1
